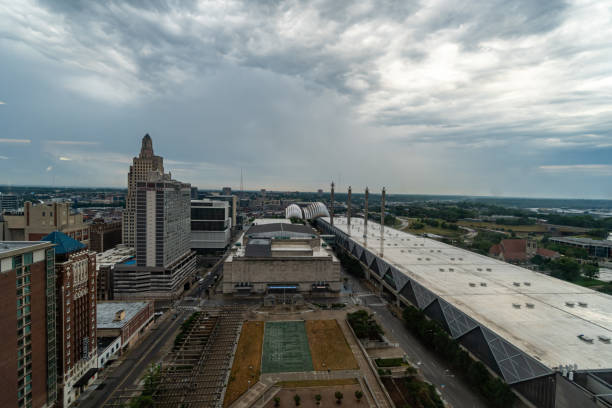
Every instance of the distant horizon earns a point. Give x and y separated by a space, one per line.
342 192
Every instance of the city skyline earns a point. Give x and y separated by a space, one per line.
483 99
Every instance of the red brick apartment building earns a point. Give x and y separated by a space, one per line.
27 319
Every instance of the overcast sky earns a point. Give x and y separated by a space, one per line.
492 97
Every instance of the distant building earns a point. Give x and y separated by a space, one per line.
124 320
226 191
281 258
194 193
595 247
39 220
104 235
520 251
75 270
232 200
164 260
27 346
210 225
8 202
105 265
140 170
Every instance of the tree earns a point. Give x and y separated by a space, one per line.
297 399
276 401
358 395
566 269
339 397
590 271
318 398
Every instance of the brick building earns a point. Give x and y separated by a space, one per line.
75 270
27 318
124 319
520 251
104 235
39 220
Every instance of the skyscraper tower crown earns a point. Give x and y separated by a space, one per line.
146 151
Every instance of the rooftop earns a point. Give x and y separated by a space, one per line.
9 248
496 294
584 241
114 256
63 243
107 312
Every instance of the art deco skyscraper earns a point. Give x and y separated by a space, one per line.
140 169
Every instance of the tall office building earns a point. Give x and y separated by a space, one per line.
164 260
75 271
142 166
27 317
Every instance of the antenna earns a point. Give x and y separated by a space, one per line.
348 212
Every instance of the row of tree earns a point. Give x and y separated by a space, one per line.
364 325
496 392
318 397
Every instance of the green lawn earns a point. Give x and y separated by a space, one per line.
285 348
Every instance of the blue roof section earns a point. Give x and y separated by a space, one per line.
63 243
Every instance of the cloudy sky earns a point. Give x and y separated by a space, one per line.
490 97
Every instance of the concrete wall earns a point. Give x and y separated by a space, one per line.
260 272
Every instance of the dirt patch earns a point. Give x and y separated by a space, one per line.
307 397
328 346
247 361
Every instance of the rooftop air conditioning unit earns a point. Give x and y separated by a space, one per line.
530 305
452 259
604 339
472 284
570 304
479 269
516 283
483 283
527 283
583 304
441 269
451 270
516 305
488 269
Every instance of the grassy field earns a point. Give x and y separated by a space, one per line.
589 283
494 226
317 383
445 232
329 346
285 348
248 354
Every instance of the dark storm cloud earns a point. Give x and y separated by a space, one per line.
302 85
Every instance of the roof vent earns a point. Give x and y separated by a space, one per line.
583 304
530 305
488 269
439 250
527 283
483 283
452 259
451 270
472 284
570 304
516 283
441 269
427 259
479 269
604 339
418 259
431 250
516 305
586 338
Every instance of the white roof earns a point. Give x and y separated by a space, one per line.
548 331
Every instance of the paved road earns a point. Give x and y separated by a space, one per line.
132 367
435 370
453 390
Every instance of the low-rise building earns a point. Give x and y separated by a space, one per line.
39 220
105 265
520 251
126 320
595 247
280 257
108 350
8 202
